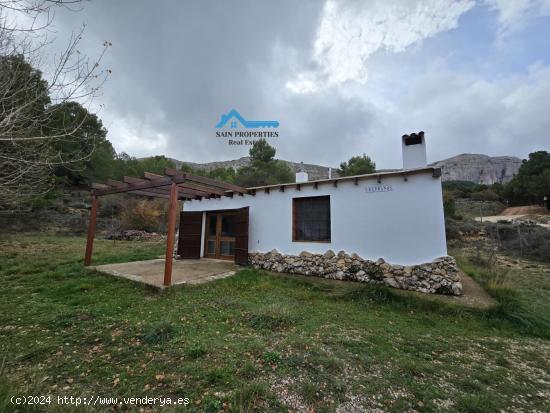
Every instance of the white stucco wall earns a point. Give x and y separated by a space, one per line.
404 226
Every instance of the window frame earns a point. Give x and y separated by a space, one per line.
294 219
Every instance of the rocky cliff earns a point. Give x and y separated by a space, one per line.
481 169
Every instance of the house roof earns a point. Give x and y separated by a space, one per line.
436 173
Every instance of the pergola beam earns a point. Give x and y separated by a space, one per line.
173 185
91 231
205 180
139 186
163 190
172 210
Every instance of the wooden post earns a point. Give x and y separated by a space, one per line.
171 234
91 231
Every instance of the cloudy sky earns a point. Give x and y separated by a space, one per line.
341 77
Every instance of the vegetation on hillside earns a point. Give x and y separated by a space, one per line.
532 182
264 169
530 186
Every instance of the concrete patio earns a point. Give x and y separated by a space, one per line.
151 272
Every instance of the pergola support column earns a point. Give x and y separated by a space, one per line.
172 211
91 231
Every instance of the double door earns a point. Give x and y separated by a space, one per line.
221 233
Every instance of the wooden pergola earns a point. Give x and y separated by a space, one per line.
173 185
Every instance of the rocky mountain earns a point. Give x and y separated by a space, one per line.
481 169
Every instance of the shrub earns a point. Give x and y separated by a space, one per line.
456 228
143 214
526 241
485 195
449 206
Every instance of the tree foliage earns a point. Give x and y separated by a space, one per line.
263 169
532 182
86 154
219 173
357 165
449 205
36 139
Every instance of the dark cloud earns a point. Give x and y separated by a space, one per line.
177 66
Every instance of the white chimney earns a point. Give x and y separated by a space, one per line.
414 151
329 172
301 175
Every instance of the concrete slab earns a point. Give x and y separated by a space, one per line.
151 272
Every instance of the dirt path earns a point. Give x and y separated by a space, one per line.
525 210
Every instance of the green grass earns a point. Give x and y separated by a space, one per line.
261 342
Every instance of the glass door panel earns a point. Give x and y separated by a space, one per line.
211 243
229 226
221 229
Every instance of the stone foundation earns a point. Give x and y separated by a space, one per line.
439 276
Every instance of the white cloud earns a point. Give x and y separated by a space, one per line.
350 32
465 113
135 136
514 14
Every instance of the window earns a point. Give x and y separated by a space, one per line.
311 219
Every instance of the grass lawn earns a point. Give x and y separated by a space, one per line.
262 342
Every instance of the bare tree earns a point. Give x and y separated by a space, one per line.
34 85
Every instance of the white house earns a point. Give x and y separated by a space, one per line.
392 219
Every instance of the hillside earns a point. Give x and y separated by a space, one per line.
481 169
314 171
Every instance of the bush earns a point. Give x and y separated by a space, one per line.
449 206
144 214
524 241
455 229
485 195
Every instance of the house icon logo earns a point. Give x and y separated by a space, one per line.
234 118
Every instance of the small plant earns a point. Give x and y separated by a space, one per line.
196 351
310 392
218 376
158 333
271 357
502 288
248 370
249 398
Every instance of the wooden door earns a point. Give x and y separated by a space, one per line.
190 233
241 238
220 235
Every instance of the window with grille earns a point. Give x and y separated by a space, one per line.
311 219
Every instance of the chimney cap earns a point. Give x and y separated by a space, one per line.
413 135
413 138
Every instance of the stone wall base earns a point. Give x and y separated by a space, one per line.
437 277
